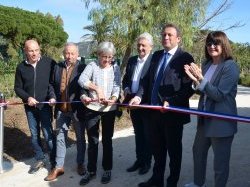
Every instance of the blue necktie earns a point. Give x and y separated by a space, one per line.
154 96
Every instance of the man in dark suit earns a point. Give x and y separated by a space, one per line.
166 84
136 70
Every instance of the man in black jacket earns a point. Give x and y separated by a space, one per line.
32 85
167 84
136 70
67 90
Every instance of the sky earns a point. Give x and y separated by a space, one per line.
75 16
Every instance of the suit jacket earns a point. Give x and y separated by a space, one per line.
127 79
74 89
221 92
175 86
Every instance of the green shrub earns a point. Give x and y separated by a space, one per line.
7 84
245 80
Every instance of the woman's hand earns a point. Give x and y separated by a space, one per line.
100 95
86 100
194 72
110 101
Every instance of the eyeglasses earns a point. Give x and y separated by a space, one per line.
106 57
214 43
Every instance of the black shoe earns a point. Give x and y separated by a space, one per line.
134 167
106 177
144 169
87 177
81 170
149 183
37 166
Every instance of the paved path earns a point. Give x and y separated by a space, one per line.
124 156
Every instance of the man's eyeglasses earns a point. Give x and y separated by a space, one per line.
214 43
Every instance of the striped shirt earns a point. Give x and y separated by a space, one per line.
109 79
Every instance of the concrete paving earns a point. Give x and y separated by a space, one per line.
124 156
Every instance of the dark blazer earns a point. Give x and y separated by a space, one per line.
74 89
221 92
175 86
127 79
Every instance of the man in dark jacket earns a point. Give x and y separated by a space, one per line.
167 84
32 85
65 83
136 69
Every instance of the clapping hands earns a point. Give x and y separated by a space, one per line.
194 72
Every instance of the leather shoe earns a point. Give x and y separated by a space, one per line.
81 170
144 169
149 183
54 174
134 167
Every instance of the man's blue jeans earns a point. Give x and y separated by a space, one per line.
41 119
63 122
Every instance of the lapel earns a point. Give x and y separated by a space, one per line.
176 54
218 69
133 66
146 66
156 62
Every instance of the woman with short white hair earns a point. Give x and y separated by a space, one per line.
102 80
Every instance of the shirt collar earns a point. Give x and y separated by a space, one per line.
172 51
141 60
27 62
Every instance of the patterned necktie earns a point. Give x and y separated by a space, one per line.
154 97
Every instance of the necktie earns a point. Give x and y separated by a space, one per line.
154 97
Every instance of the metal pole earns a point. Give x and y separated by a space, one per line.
1 132
4 165
1 139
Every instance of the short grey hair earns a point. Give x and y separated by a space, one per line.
70 44
146 36
106 47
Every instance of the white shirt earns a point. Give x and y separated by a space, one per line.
170 55
137 73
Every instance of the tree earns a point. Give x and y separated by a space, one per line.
17 25
123 21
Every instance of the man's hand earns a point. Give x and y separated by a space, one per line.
52 102
165 104
135 101
32 101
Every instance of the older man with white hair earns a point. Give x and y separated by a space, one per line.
135 71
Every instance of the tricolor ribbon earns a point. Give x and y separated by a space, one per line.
152 107
192 111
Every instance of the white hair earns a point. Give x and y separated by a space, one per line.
146 36
106 47
70 44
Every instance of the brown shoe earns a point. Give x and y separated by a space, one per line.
54 174
81 170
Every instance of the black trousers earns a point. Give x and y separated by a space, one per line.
165 139
93 120
140 122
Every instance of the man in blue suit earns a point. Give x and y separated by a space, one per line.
166 84
136 70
